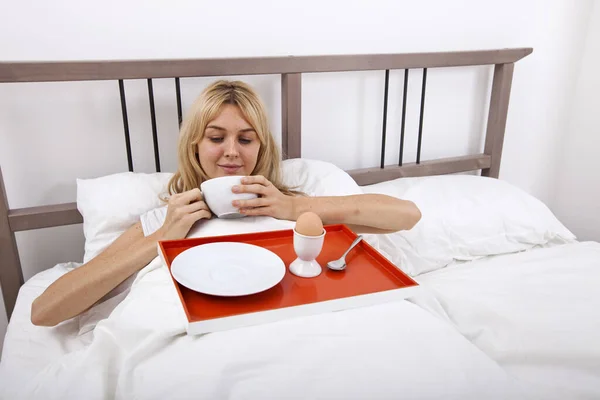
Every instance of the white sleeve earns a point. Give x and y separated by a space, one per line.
153 220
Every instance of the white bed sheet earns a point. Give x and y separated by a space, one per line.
135 346
536 313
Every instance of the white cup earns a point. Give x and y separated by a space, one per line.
307 249
218 196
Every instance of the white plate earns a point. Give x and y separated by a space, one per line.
228 269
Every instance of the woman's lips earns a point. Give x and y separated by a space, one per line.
230 168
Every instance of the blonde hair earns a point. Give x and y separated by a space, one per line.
189 173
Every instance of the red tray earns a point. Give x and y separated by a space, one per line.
369 278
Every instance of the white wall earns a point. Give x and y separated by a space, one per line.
577 190
52 133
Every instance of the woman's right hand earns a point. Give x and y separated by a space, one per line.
183 211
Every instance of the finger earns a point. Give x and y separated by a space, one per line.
198 215
256 211
195 206
173 198
258 202
189 196
254 188
256 179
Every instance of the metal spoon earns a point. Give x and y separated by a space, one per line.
340 264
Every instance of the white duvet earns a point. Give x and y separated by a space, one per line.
135 346
536 313
510 327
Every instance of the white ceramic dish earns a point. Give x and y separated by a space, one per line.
218 196
307 249
228 269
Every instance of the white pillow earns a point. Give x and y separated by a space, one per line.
111 204
465 217
318 178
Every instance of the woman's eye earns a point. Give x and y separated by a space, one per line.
245 141
216 139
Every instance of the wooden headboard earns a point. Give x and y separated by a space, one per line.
291 70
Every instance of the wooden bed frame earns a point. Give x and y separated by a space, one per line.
291 70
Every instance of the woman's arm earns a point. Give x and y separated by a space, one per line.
365 213
81 288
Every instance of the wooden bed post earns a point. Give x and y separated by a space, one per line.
494 137
291 102
11 276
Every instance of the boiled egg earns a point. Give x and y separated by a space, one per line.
309 224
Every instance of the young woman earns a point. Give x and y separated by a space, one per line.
226 133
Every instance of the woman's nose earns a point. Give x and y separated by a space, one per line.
231 148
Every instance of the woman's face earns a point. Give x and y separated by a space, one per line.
229 146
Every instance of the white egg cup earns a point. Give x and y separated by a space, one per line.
307 249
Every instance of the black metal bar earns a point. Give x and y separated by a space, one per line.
385 103
154 130
178 91
421 116
125 125
403 117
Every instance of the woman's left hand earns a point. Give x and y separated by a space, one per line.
270 201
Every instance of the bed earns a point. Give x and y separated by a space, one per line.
506 307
